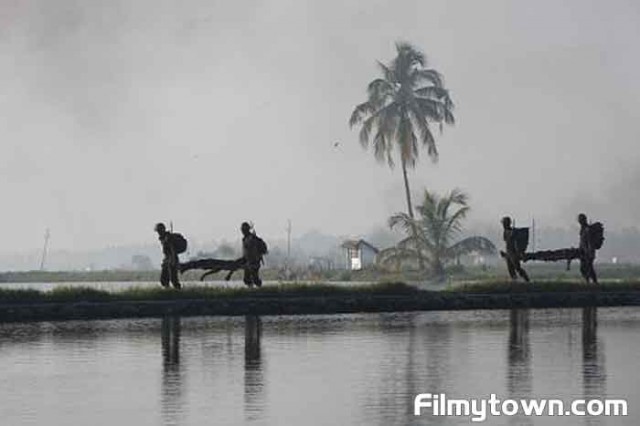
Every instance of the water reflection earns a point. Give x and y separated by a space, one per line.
351 369
171 375
439 362
410 370
519 375
593 362
253 369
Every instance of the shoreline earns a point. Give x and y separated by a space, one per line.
310 304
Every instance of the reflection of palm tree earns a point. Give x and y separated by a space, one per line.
253 380
171 377
390 390
411 373
519 376
439 223
593 373
439 362
403 373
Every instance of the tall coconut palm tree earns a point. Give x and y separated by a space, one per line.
402 106
438 226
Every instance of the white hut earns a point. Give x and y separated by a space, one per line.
359 254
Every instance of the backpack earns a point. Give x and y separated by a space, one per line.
596 235
521 239
261 246
178 242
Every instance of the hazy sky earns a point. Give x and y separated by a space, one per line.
118 114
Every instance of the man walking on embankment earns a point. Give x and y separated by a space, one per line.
587 249
253 250
170 261
513 253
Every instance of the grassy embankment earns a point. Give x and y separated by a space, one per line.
538 271
302 290
84 303
85 294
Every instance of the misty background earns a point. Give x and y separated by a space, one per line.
117 115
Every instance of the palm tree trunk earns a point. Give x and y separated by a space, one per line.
410 209
407 191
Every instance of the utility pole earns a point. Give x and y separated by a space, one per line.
533 234
47 234
288 243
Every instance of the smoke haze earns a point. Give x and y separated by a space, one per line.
116 115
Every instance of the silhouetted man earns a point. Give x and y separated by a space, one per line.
512 256
587 251
252 255
170 261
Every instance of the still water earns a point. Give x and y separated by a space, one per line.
316 370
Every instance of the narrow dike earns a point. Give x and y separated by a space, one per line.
311 305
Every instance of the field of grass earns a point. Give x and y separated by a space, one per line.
299 290
542 286
537 271
77 276
85 294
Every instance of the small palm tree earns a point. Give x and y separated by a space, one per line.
400 109
438 226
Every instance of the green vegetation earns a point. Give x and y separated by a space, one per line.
501 287
295 290
107 276
65 303
432 236
541 271
400 109
454 273
85 294
78 276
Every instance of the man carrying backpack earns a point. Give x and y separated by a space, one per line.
253 250
172 245
514 251
589 243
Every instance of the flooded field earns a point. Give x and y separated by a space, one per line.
334 369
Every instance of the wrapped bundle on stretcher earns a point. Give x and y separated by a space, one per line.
566 254
553 255
213 266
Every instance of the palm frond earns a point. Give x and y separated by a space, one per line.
387 73
406 49
379 89
360 112
431 109
397 255
426 136
449 118
380 146
375 119
471 244
432 92
407 141
407 60
428 75
453 224
404 221
365 130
